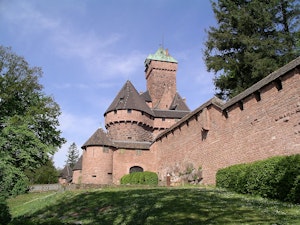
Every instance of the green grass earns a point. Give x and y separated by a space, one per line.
149 206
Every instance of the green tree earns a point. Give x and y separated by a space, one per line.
73 155
252 39
28 122
46 174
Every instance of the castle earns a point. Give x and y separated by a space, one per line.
156 131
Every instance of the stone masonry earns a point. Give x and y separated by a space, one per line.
156 131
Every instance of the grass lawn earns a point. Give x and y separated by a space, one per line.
184 205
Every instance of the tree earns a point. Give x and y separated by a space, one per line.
46 174
252 39
28 122
73 155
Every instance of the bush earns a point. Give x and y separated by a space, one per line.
276 178
5 216
146 178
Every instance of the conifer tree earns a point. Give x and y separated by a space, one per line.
73 155
252 39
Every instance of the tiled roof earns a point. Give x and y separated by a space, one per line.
66 173
129 98
78 165
169 113
161 55
99 138
146 96
132 145
179 104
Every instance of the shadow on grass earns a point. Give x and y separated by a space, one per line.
155 206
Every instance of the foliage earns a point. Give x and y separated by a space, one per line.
73 155
276 178
251 40
149 205
45 174
5 216
146 177
28 122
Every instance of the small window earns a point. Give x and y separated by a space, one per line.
136 169
128 110
257 96
129 138
241 105
278 84
94 176
115 111
163 119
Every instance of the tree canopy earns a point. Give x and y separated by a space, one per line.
252 39
28 121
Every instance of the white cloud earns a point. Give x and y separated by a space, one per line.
96 51
75 128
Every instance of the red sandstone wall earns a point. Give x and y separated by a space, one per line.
97 165
125 159
134 126
262 129
76 179
161 83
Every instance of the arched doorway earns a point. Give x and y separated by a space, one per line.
136 169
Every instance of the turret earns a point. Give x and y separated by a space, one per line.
129 118
160 72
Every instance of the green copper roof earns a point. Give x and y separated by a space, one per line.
161 55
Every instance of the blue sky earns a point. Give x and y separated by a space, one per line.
87 50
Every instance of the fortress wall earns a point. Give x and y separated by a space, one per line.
123 115
130 131
77 178
124 159
97 165
133 126
253 130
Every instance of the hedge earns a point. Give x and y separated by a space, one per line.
147 177
277 178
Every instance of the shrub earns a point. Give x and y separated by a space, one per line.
5 216
146 178
276 178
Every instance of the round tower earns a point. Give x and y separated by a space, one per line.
129 118
97 159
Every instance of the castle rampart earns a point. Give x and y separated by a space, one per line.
261 122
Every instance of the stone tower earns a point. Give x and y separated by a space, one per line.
129 118
160 72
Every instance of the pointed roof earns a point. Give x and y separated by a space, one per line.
161 55
146 96
78 165
179 103
66 173
99 138
129 98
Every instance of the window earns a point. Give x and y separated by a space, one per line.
136 169
128 110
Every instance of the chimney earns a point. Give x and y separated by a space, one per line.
167 52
